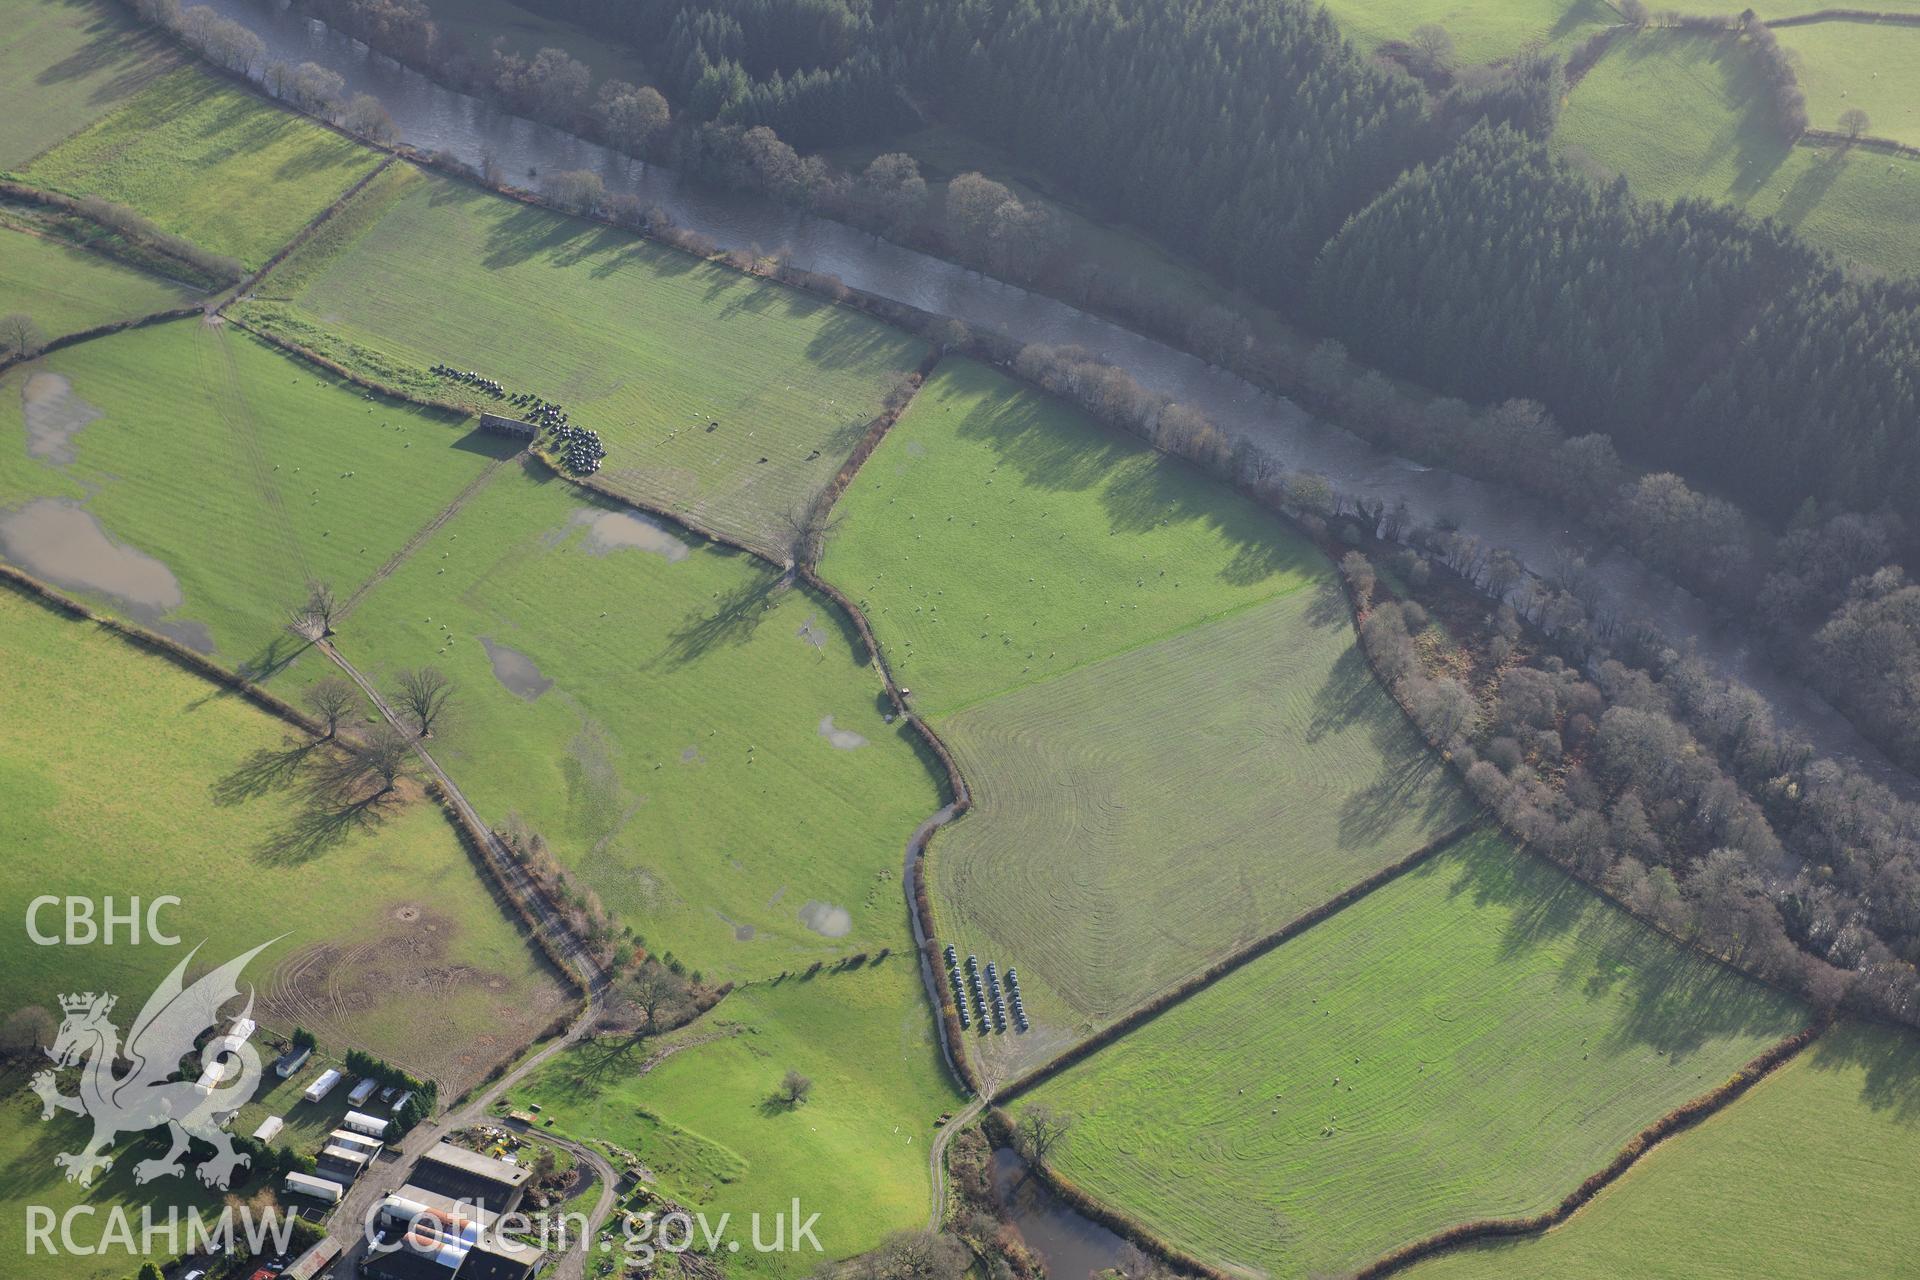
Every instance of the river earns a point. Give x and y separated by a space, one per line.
433 118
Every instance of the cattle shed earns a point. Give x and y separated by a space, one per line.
512 428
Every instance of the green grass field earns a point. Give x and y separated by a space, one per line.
67 289
228 170
644 344
1869 65
222 476
1470 1041
856 1152
1682 114
1811 1174
1140 817
678 760
122 774
31 1178
1482 30
998 538
64 64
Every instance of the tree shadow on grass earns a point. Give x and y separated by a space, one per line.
131 53
1672 1000
1061 450
1812 186
324 822
1411 790
276 657
1348 696
1890 1056
1579 14
731 620
848 339
601 1059
268 769
529 232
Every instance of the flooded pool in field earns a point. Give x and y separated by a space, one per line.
54 415
826 919
515 670
61 542
609 531
842 739
1072 1245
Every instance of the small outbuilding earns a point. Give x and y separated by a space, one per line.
306 1184
361 1122
322 1085
513 428
269 1129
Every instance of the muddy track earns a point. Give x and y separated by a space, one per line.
573 1263
424 532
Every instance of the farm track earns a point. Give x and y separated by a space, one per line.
424 532
361 1198
573 1265
514 877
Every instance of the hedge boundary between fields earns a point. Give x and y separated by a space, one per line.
1846 15
1142 1014
74 206
191 660
1682 1117
314 224
79 336
926 739
479 845
199 665
1866 142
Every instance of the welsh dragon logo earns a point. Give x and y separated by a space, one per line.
150 1093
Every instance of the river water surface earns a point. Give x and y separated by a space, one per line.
436 119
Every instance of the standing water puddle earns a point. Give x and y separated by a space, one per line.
57 540
54 416
844 739
826 919
515 670
622 530
1072 1245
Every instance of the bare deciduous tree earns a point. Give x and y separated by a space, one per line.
794 1089
313 618
383 755
375 761
424 693
1039 1131
654 991
1854 122
27 1031
19 335
1433 46
367 116
916 1255
331 698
